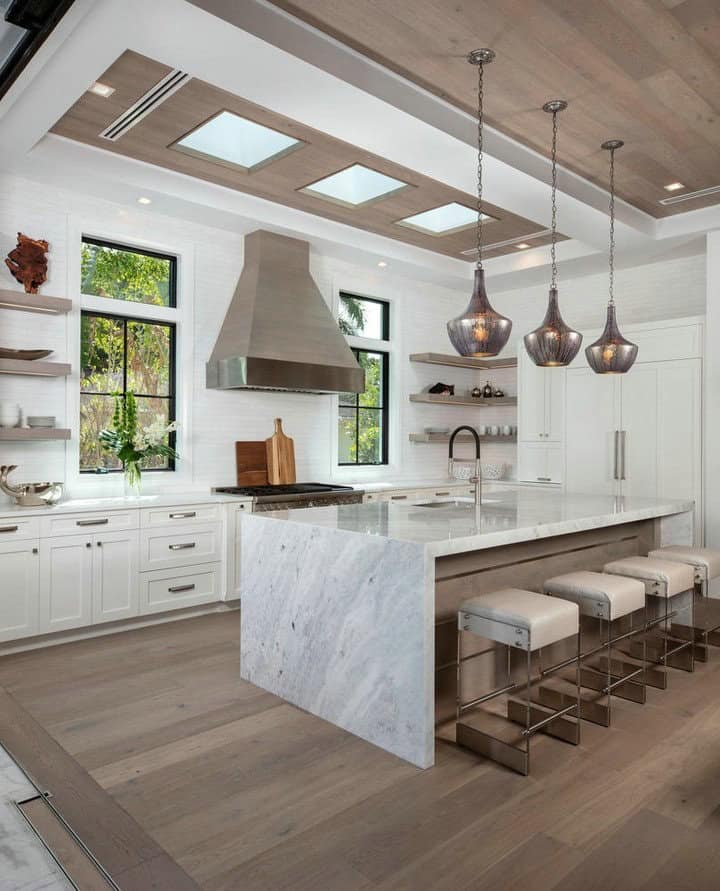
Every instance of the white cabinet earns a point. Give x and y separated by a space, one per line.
538 463
164 548
167 589
541 401
65 582
20 588
115 576
593 428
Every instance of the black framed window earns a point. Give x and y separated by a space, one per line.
120 272
363 417
121 354
364 317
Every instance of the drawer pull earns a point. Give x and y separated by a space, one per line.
186 516
182 547
544 479
441 493
102 522
398 497
8 528
176 589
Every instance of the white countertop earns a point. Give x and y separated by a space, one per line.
507 516
86 505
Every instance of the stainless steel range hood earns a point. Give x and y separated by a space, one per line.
278 332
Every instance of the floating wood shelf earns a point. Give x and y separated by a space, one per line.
36 368
463 362
19 434
438 399
53 306
461 437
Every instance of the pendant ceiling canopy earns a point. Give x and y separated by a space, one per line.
611 353
480 332
554 343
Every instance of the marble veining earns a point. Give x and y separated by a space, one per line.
25 864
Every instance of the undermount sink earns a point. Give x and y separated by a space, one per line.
465 503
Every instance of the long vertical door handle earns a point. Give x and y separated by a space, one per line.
623 443
617 449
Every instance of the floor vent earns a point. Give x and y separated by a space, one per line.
154 97
471 252
688 196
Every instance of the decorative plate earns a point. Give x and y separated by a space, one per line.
26 355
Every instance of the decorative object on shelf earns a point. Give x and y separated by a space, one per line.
507 430
132 445
499 394
25 355
611 353
493 471
441 389
476 393
29 494
27 262
480 331
40 421
487 390
494 430
10 413
482 430
554 343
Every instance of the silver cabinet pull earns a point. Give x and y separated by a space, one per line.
617 455
441 493
182 547
88 544
623 443
35 550
398 497
544 479
178 588
186 516
99 544
8 528
102 522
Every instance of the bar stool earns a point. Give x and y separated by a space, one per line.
607 598
526 621
669 581
706 565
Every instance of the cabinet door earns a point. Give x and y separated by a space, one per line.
19 589
555 380
554 464
65 582
592 419
638 468
115 576
532 463
532 420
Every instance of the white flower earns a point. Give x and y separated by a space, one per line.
154 434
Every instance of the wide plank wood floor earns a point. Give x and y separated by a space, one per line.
246 792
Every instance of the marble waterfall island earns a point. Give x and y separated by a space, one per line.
344 608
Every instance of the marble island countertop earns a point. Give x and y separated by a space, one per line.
507 516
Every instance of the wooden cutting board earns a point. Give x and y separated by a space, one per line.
251 463
280 457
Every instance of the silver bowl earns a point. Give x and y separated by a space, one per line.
37 494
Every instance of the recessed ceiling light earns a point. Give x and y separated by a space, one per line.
355 185
143 200
443 220
236 142
102 89
673 187
382 264
522 246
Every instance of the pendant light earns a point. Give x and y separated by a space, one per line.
480 332
554 343
611 353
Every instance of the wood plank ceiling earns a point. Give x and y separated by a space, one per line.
646 71
151 140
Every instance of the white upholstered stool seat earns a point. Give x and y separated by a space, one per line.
503 616
666 577
706 561
598 594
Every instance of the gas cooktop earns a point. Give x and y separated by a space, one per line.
261 492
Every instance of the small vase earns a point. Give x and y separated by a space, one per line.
133 478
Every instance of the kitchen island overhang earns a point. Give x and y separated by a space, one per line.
344 608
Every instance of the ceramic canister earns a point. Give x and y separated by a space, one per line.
10 413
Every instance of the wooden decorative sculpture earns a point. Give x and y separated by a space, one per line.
28 262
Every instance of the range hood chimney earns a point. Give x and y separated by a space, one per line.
278 332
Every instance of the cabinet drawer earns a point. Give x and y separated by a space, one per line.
167 589
13 528
78 524
183 515
166 548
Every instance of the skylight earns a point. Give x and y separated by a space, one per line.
444 219
237 142
355 185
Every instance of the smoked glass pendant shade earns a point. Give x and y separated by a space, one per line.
611 353
554 343
480 332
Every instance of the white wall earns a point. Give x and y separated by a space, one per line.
217 418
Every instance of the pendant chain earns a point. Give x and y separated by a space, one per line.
479 230
554 201
612 227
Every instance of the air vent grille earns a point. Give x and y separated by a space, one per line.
154 97
508 242
688 196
